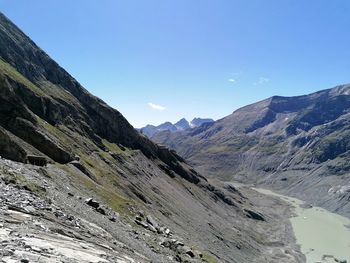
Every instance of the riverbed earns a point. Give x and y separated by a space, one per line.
322 235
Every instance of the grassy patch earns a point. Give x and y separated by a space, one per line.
208 258
113 147
22 182
89 157
114 201
55 91
63 139
104 192
71 140
7 69
106 155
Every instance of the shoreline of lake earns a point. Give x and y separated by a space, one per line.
323 236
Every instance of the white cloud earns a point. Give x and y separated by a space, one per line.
262 80
232 80
156 107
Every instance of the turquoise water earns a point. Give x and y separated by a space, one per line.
319 232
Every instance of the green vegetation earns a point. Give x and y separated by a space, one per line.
62 137
108 195
21 181
58 92
7 69
68 138
92 158
115 201
208 258
42 88
113 147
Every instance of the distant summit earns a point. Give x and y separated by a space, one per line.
196 122
181 125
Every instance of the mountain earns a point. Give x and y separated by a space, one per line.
150 130
79 184
181 125
196 122
298 145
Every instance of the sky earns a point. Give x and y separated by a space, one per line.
161 60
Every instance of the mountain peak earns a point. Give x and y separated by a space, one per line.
181 125
196 122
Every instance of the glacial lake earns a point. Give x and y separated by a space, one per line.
319 232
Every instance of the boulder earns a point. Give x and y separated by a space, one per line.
113 219
167 231
152 228
101 210
141 223
91 202
190 253
150 220
161 230
254 215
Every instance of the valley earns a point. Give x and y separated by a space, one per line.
268 183
298 146
80 184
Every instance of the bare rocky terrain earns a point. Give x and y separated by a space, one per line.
80 184
299 146
44 219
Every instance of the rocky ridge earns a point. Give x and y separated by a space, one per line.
181 125
297 145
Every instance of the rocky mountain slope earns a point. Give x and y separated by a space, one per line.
109 194
299 145
181 125
196 122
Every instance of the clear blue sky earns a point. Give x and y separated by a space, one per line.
194 58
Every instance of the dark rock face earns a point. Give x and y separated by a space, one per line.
37 160
288 143
9 149
254 215
29 133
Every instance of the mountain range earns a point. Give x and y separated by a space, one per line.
79 184
297 145
181 125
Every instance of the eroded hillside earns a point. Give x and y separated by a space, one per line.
299 145
107 191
